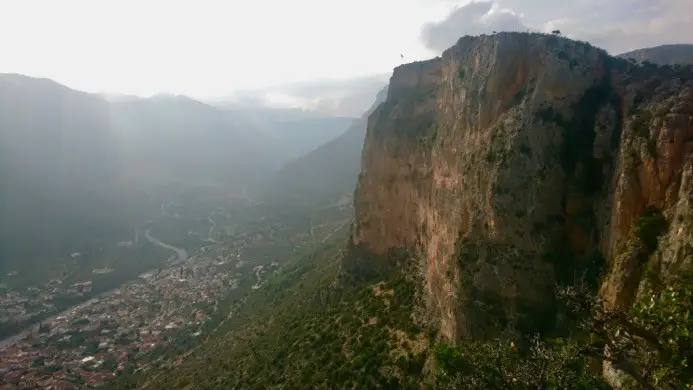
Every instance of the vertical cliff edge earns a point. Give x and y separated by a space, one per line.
518 161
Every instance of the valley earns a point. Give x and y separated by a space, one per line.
211 253
512 211
119 183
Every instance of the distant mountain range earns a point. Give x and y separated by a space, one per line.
663 55
286 133
77 167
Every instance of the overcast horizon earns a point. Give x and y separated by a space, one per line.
212 49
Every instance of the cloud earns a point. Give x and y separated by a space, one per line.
477 17
615 25
346 97
635 24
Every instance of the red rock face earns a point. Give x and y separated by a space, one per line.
656 182
505 162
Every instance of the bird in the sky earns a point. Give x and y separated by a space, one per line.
401 55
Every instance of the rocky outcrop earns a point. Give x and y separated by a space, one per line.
648 233
518 161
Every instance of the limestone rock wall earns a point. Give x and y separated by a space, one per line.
516 161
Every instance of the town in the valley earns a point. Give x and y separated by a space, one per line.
125 329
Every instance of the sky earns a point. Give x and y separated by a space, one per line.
211 48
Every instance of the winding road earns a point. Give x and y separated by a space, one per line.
211 229
182 253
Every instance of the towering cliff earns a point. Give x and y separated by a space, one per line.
518 161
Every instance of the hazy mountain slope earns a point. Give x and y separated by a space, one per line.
74 166
325 174
286 134
47 129
58 162
175 138
663 55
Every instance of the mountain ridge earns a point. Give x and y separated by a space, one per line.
673 54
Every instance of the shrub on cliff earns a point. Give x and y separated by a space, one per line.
652 343
550 364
